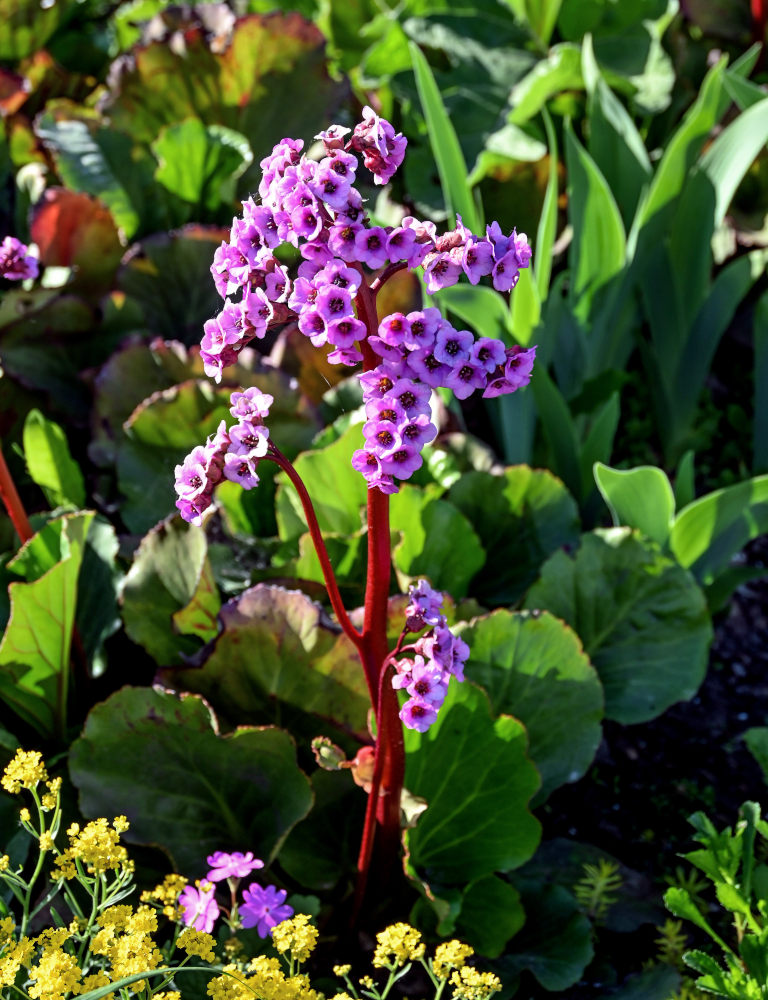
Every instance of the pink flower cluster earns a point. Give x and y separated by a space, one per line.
16 263
232 454
438 655
263 907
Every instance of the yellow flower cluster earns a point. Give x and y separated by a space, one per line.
449 956
400 941
471 984
55 975
97 846
24 771
125 939
297 936
167 895
12 960
197 943
268 982
51 797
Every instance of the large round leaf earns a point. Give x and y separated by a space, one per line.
277 651
156 758
642 619
522 517
534 667
476 777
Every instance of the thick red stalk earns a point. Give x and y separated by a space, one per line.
12 502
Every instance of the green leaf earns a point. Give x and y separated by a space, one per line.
77 146
469 831
201 163
436 541
170 575
757 744
685 489
556 942
521 517
598 441
277 653
641 617
598 249
545 235
27 27
445 146
97 611
491 913
760 432
680 904
35 648
711 530
158 759
480 307
561 70
615 145
640 498
559 430
534 667
50 463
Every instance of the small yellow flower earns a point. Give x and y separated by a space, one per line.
24 771
167 995
16 956
56 974
341 996
400 941
167 894
366 982
470 984
450 955
233 947
5 863
342 970
46 841
6 929
94 981
197 943
96 846
296 935
25 815
120 824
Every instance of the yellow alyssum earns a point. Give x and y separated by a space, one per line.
396 945
297 936
55 975
167 895
470 984
97 846
449 956
24 771
197 943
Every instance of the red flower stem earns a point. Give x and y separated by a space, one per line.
317 540
13 504
381 830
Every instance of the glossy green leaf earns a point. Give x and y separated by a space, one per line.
35 648
560 70
275 653
521 517
201 163
50 462
727 159
711 530
685 487
491 913
642 619
101 576
534 667
77 149
599 244
445 146
640 498
469 831
545 235
157 759
170 574
436 541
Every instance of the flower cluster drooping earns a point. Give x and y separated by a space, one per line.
16 262
438 655
313 205
232 454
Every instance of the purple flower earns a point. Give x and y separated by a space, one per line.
424 607
199 907
428 682
235 865
519 366
16 263
383 150
417 714
264 908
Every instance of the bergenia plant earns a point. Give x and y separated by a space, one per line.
314 205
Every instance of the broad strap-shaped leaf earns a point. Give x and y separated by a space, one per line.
521 517
642 619
277 653
561 70
534 667
469 830
491 913
639 498
50 462
158 759
711 530
545 235
35 648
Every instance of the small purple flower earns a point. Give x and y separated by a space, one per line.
428 682
424 607
16 263
199 907
235 865
251 404
519 366
264 908
371 247
417 714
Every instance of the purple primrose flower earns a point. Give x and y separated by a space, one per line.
235 865
199 907
264 908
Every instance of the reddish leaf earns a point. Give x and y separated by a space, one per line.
75 230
